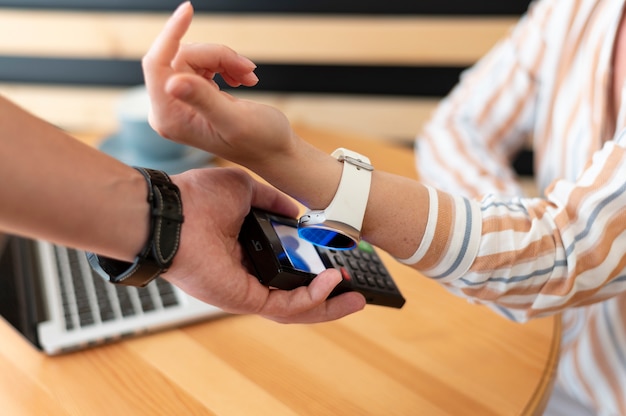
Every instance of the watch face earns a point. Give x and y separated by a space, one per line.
327 238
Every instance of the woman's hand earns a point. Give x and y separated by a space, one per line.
188 106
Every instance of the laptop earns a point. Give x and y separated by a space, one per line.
50 294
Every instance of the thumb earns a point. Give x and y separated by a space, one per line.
323 284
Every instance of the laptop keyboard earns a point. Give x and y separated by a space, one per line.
89 300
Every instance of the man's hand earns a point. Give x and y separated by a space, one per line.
209 265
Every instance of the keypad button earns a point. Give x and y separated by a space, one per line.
354 265
344 273
364 270
364 266
360 278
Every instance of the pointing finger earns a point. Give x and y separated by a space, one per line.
166 44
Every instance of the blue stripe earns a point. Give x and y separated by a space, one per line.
498 204
594 215
505 312
616 346
519 278
568 251
619 279
466 238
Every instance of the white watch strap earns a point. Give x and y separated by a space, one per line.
350 201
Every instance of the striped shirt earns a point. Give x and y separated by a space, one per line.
547 84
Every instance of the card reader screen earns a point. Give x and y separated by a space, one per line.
302 254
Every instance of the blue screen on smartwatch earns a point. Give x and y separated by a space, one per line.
326 238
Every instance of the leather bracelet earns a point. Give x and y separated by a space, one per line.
166 219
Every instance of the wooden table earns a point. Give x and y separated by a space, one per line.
439 355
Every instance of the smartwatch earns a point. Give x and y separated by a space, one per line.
166 219
339 225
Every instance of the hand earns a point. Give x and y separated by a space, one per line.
188 106
209 266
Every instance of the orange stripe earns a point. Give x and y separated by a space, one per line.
443 232
459 99
490 294
505 223
602 129
605 367
510 122
621 304
584 381
584 297
566 58
556 287
597 254
444 160
507 259
591 259
498 183
584 97
569 214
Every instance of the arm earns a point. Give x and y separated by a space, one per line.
468 145
519 255
56 188
189 107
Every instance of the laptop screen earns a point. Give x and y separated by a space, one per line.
20 301
53 297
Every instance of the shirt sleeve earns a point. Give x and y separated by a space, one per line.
536 257
528 258
468 144
523 257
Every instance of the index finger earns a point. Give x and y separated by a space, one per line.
269 198
165 47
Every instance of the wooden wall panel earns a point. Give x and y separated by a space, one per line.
376 69
357 40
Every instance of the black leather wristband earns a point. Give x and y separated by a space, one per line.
166 219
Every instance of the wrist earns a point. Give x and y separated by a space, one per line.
137 225
305 172
339 224
124 224
166 218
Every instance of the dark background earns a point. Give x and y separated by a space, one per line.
387 80
434 81
442 7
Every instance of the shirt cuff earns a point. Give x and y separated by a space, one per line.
451 238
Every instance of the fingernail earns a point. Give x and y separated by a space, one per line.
251 78
247 62
181 7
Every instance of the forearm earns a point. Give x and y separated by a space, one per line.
59 189
468 145
397 207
